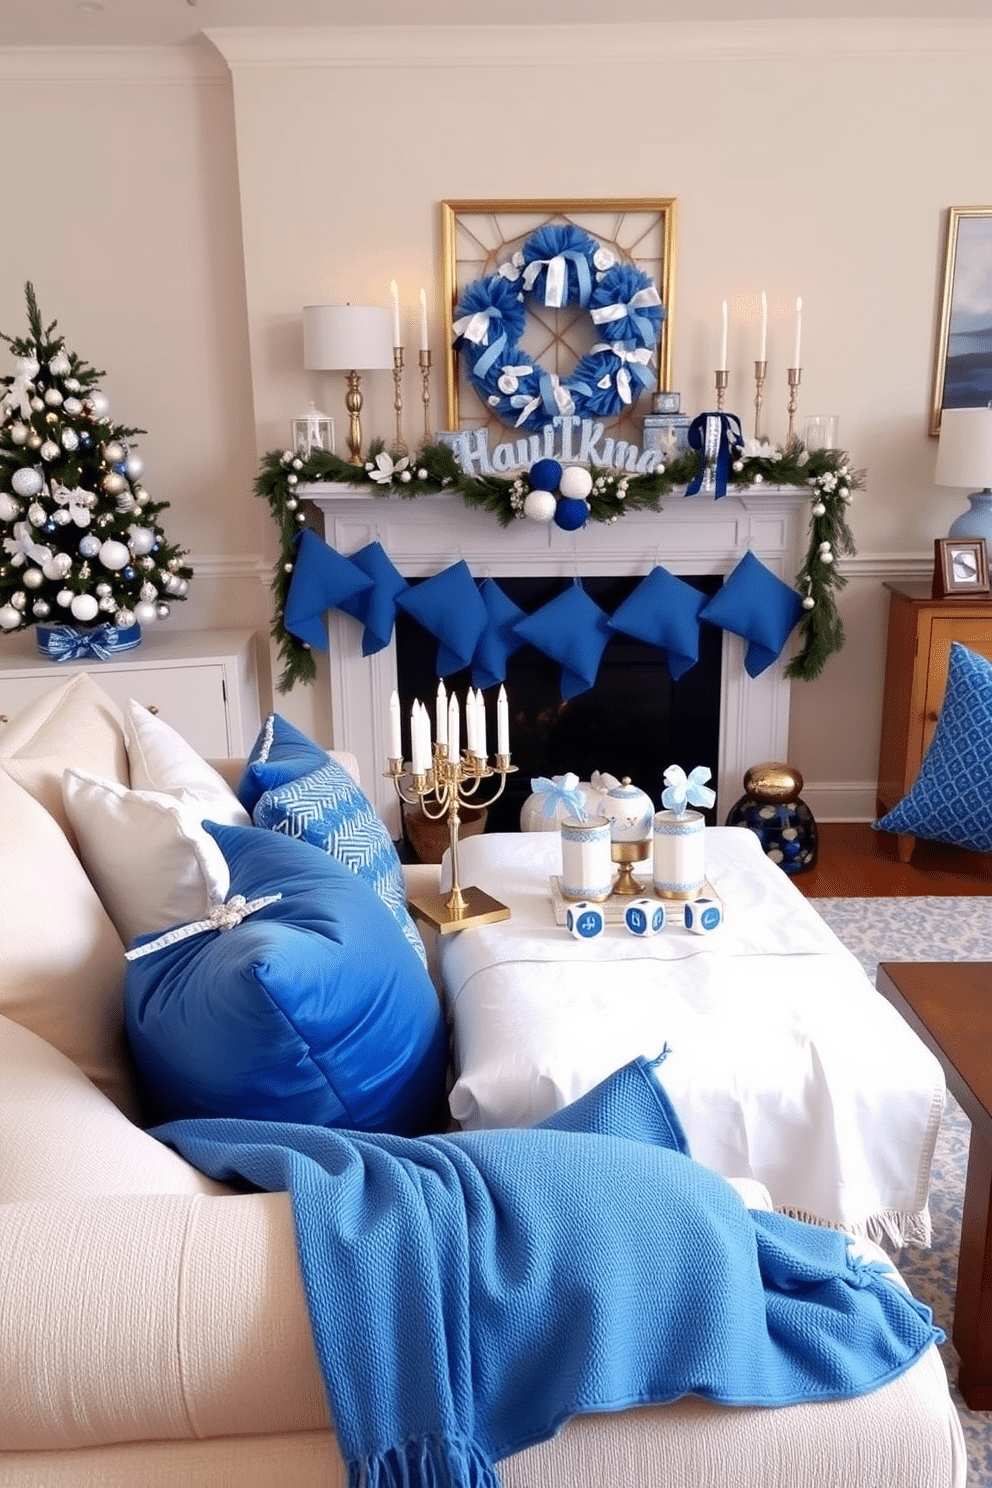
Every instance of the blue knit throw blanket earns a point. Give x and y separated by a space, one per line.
469 1293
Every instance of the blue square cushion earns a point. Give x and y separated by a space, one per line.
573 630
322 580
756 604
375 607
313 1009
450 607
280 753
499 639
664 611
951 799
327 809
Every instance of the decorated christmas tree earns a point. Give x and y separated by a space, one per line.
81 547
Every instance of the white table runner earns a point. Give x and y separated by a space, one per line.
786 1065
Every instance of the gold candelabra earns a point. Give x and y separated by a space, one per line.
425 373
399 443
353 403
451 784
760 368
795 378
722 377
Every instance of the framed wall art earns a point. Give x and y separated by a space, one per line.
960 567
482 238
963 363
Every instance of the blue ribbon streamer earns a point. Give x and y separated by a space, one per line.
731 438
66 643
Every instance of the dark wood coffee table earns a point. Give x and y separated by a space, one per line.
949 1004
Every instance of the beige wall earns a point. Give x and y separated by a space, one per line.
812 158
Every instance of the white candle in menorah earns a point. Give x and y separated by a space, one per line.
442 777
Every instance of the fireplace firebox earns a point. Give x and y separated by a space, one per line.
636 719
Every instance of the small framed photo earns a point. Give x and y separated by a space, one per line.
960 567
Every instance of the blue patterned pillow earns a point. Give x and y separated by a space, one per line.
327 809
951 800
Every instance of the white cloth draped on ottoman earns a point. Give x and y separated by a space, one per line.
786 1065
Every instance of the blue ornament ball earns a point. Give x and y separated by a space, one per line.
128 573
545 475
571 513
120 467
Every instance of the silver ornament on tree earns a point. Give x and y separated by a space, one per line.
70 439
50 450
19 433
27 481
113 483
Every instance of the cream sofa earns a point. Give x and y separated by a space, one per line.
153 1327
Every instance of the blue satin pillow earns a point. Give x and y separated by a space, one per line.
664 611
322 580
450 607
572 630
756 604
313 1009
280 753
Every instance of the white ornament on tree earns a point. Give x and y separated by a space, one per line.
27 481
145 612
9 617
114 555
84 607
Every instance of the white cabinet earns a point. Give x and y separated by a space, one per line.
203 683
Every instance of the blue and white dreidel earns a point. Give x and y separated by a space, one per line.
584 920
702 916
644 917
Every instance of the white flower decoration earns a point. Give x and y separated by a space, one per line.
385 469
603 259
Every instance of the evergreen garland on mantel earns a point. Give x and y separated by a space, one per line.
826 474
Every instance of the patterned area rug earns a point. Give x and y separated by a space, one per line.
930 929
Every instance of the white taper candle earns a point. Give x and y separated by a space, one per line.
454 731
395 736
763 339
441 712
502 723
799 331
394 291
723 342
425 344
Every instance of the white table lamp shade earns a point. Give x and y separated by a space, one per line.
347 338
964 454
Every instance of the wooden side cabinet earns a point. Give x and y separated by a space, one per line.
921 630
204 683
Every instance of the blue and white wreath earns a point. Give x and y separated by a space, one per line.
559 266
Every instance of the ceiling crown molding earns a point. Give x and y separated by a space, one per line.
655 44
192 62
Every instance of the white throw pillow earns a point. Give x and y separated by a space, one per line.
147 853
61 960
160 759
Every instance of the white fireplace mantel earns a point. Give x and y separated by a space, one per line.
693 535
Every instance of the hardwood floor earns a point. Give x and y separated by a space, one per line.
854 861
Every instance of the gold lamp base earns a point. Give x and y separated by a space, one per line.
479 908
626 854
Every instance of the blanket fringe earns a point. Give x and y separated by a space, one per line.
899 1227
425 1462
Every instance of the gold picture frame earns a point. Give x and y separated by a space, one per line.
962 373
478 235
960 567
